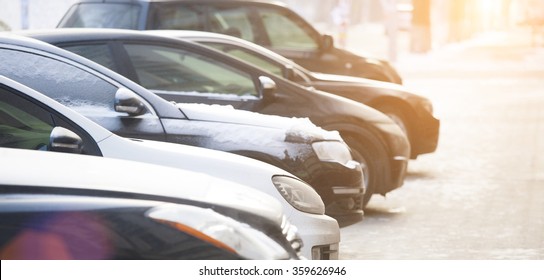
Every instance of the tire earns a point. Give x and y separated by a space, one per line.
369 152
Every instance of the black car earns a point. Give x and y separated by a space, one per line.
316 156
267 23
182 71
413 113
54 206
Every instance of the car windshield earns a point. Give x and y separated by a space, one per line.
102 15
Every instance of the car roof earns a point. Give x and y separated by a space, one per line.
59 35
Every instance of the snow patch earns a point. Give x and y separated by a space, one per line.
295 129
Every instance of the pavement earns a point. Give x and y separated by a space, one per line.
481 194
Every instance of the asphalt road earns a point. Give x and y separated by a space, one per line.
481 194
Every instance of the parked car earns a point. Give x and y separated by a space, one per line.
267 23
62 206
412 112
182 71
319 157
30 120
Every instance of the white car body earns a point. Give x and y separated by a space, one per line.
131 178
316 230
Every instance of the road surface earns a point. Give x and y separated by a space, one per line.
481 195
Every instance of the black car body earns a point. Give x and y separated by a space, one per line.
269 24
181 71
412 112
92 90
84 207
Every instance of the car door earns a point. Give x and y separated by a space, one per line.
276 28
271 26
289 35
187 76
27 124
81 89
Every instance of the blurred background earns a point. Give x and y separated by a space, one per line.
389 29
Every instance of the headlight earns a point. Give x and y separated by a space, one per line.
299 194
221 231
332 151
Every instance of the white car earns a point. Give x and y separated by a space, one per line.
100 208
58 128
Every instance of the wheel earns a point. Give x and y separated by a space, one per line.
369 152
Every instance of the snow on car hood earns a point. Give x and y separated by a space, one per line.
294 129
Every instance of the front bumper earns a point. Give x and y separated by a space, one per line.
320 235
341 187
426 138
399 166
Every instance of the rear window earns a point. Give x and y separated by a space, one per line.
102 15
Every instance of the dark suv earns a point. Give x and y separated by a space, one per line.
266 23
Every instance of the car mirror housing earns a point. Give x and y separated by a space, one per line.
128 102
267 87
65 141
289 72
327 42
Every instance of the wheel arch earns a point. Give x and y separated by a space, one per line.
365 136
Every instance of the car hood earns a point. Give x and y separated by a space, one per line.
133 179
322 77
235 168
361 89
293 129
212 162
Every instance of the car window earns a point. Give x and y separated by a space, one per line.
102 15
287 32
23 125
234 21
67 84
174 16
160 68
248 57
99 53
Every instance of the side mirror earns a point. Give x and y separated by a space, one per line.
289 72
128 102
267 87
65 141
327 42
